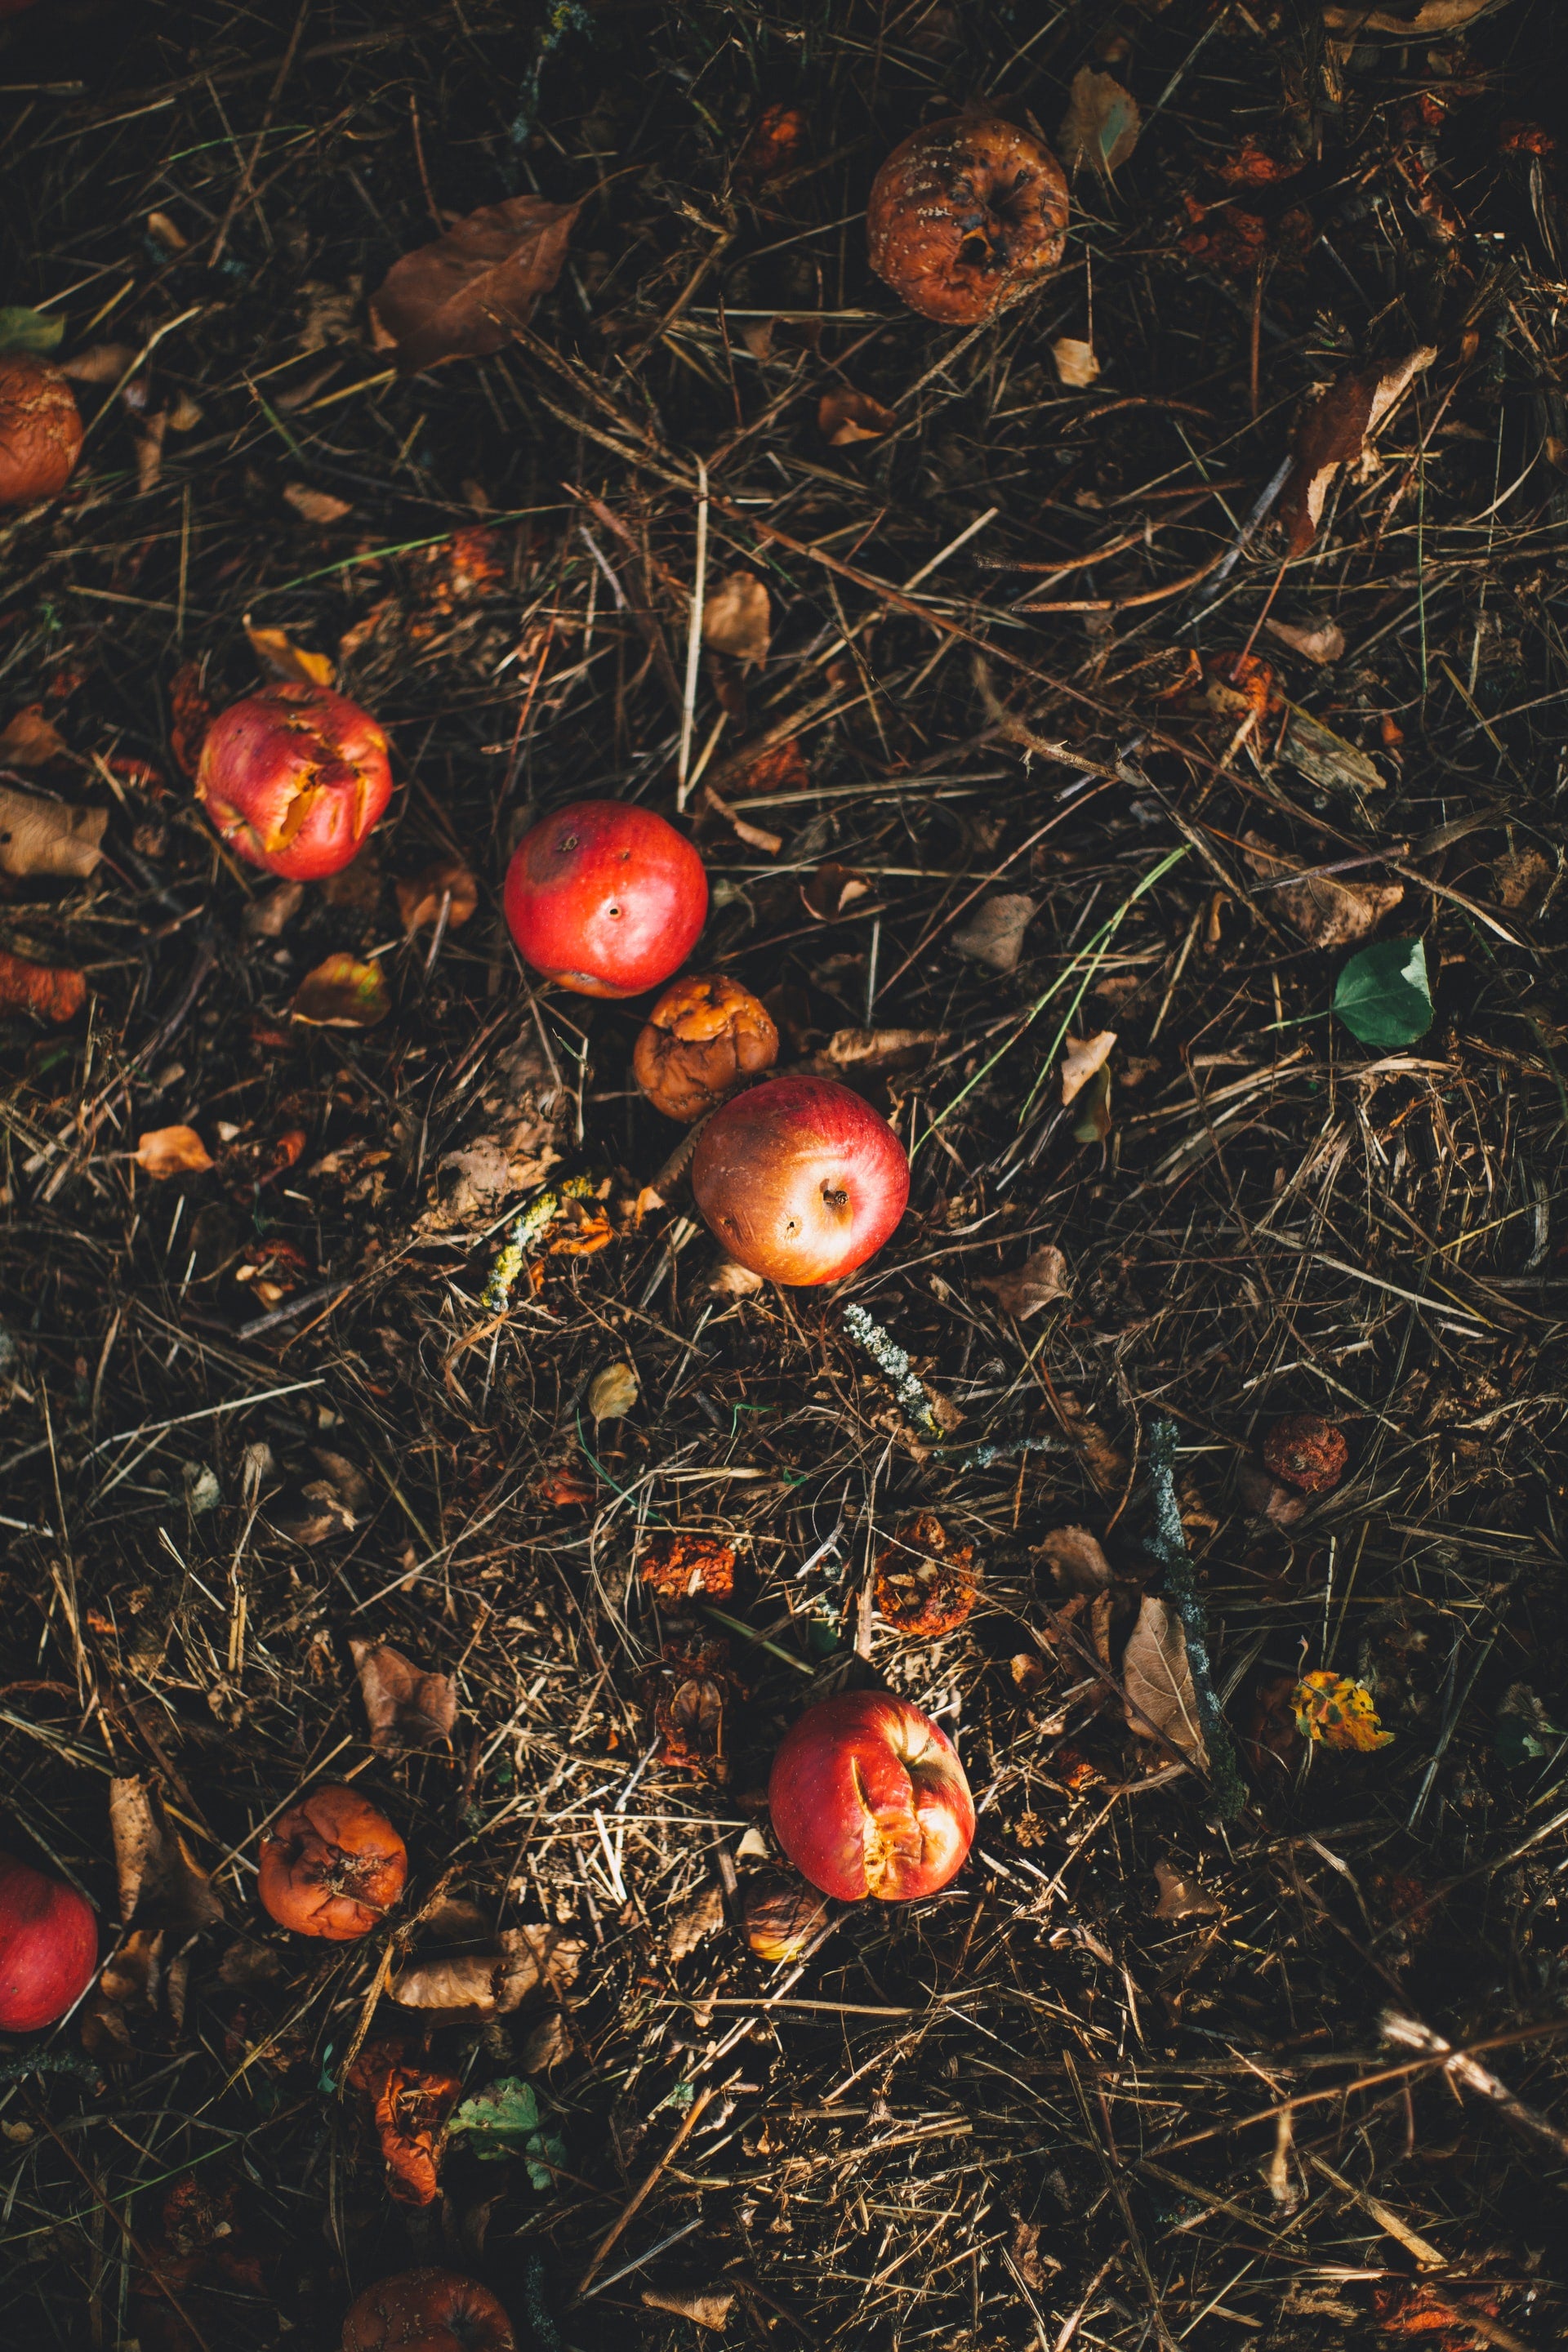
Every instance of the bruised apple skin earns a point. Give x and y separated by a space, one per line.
705 1035
800 1179
294 778
40 430
965 217
867 1797
606 899
48 1947
333 1865
428 2310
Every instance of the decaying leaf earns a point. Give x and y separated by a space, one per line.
1181 1896
1325 758
1158 1678
30 740
494 1980
1082 1058
410 2106
737 617
318 507
341 992
832 890
843 416
49 991
448 884
1076 1560
1334 431
701 1918
1335 1711
1042 1278
1519 878
1327 911
707 2307
548 2045
729 1280
613 1392
465 293
171 1151
407 1707
160 1883
875 1049
1417 19
1101 124
1104 1461
267 918
1077 365
994 932
1322 641
99 363
280 657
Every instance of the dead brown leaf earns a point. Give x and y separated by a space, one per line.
832 890
1105 1462
548 2045
1334 431
1407 24
1324 641
1042 1278
1076 1560
100 363
316 505
1077 365
736 619
49 991
1328 912
994 932
1158 1679
1083 1057
706 2307
448 884
407 1707
266 916
518 1962
45 837
280 657
160 1883
1101 124
871 1050
696 1921
341 992
1519 878
466 292
29 740
1180 1897
171 1151
843 416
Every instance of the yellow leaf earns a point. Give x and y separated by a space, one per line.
343 993
171 1151
1337 1712
738 617
281 657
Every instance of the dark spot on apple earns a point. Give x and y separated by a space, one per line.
568 841
613 912
835 1199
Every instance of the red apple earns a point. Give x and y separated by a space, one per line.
800 1179
294 778
48 1947
606 897
40 429
867 1797
428 2310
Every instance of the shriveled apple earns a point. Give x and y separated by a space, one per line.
867 1797
40 429
800 1179
294 778
333 1865
704 1037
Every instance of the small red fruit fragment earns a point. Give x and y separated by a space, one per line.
48 1947
606 897
867 1797
333 1865
428 2310
924 1585
294 778
964 216
677 1568
40 430
1307 1452
704 1036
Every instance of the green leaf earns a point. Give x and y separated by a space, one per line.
29 330
1383 996
505 2122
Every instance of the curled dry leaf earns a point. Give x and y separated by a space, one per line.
1083 1057
1042 1278
28 740
171 1151
1406 23
613 1392
677 1568
49 991
317 507
410 2106
100 363
1076 1560
1158 1679
1268 1498
843 416
1334 432
994 932
280 657
1181 1896
707 2307
875 1049
1326 912
517 1963
1325 758
832 890
737 617
696 1921
1100 127
466 292
548 2044
1077 365
1323 641
341 992
160 1883
447 884
266 917
407 1705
